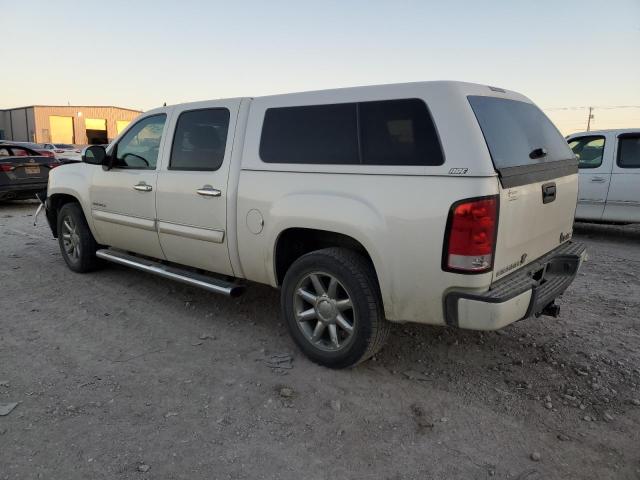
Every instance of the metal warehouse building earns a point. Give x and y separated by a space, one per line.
52 124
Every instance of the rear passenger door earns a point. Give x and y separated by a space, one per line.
623 201
594 162
192 186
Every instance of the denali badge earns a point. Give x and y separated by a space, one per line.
511 266
458 171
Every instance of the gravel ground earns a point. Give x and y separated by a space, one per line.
118 374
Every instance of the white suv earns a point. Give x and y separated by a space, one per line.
444 203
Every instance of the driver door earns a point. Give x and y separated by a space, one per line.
123 198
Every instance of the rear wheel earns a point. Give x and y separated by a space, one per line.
332 307
76 241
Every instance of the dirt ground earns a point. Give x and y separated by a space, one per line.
119 374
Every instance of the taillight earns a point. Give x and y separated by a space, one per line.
47 153
6 167
470 239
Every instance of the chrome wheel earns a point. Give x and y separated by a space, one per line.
70 239
324 311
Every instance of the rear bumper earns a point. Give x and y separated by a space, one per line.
517 296
25 190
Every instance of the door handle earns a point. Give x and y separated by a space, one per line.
598 179
548 192
209 191
143 187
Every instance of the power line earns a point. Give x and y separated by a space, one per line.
601 107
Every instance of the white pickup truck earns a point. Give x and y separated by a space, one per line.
444 203
609 184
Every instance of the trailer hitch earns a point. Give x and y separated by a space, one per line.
551 310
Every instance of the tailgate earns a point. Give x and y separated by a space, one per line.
538 175
528 227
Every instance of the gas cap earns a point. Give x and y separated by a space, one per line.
255 222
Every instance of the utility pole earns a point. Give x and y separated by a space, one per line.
589 119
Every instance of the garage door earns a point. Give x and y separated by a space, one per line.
61 129
95 124
96 131
121 125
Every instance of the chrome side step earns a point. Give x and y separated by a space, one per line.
212 284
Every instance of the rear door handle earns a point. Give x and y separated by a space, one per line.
598 179
208 191
143 187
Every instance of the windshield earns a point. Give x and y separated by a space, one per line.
65 145
518 133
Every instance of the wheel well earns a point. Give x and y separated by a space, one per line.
295 242
56 202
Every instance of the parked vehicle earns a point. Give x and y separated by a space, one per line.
609 163
64 151
440 202
38 147
23 172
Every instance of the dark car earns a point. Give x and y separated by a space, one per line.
23 172
38 147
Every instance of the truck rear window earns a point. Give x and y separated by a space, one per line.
518 133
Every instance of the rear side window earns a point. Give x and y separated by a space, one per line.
318 134
629 151
19 152
200 140
398 132
589 150
390 132
518 133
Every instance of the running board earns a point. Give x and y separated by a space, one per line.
212 284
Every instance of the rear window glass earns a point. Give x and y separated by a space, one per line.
518 133
629 151
589 150
389 132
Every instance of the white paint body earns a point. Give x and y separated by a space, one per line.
609 193
397 213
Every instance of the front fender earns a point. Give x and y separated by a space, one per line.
74 180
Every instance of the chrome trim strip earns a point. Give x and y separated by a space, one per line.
126 220
624 203
196 233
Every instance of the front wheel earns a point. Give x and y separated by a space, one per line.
332 307
76 241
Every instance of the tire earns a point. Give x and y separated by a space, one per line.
351 298
77 245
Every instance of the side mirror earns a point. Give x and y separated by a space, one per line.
94 155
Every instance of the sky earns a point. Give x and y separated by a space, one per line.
140 54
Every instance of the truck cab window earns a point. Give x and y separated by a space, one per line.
629 151
139 147
200 139
589 150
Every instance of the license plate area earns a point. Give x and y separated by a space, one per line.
32 170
